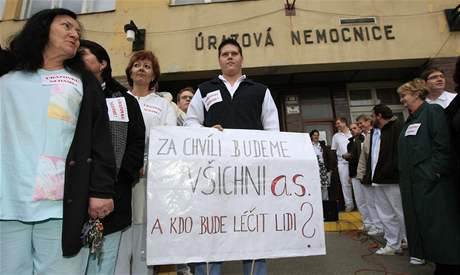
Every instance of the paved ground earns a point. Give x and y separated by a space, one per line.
347 253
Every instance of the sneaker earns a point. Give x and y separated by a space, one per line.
417 261
374 232
387 251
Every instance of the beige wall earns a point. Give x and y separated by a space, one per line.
419 29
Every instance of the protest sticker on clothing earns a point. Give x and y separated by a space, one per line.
231 195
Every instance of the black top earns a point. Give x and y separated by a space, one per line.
132 162
354 148
386 170
243 111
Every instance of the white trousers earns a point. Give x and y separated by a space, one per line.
389 209
369 193
131 253
346 186
361 202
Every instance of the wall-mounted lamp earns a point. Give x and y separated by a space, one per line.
135 35
289 8
453 18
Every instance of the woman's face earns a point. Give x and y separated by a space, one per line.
92 63
142 72
64 38
315 137
410 100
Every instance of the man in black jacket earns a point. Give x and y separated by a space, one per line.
128 135
382 172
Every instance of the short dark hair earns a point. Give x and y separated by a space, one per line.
190 89
312 132
426 73
25 51
230 41
383 110
101 54
341 118
142 55
457 75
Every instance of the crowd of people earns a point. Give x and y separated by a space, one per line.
75 148
403 176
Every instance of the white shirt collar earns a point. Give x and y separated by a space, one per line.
241 78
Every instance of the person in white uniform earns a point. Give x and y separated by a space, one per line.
436 84
142 72
372 225
339 145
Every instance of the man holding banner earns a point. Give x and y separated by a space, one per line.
235 102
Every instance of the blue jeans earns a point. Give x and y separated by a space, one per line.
106 264
260 268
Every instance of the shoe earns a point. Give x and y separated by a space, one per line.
417 261
387 251
404 244
349 209
374 232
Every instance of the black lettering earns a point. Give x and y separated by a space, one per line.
246 40
211 180
367 33
376 32
306 36
321 36
199 42
269 40
295 37
257 38
358 33
212 40
388 32
346 37
334 35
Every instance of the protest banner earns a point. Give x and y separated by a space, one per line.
230 195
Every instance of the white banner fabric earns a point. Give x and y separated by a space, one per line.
231 195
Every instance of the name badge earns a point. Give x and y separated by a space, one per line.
212 98
117 109
412 129
61 79
153 109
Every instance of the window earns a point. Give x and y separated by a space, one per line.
30 7
364 96
316 104
188 2
2 8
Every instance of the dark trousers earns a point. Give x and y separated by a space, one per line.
446 269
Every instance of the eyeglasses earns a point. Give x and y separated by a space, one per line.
186 97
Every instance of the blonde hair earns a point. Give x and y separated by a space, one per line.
415 87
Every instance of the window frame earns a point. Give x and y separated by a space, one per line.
85 7
2 9
172 3
373 86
